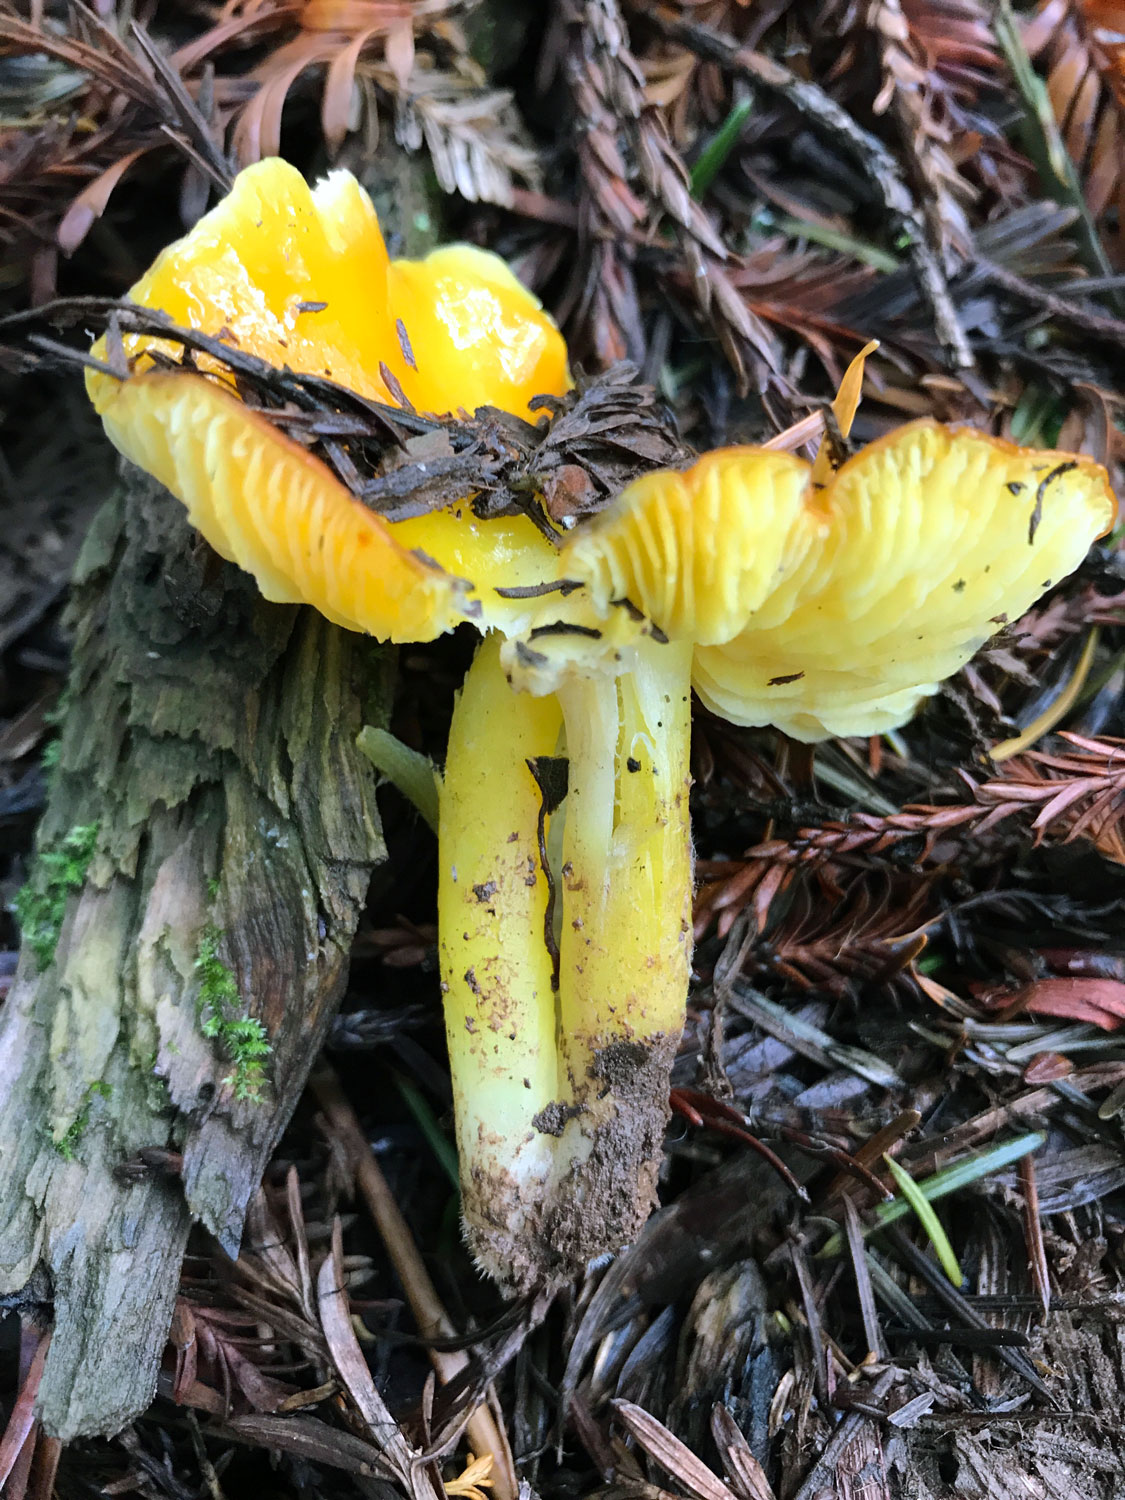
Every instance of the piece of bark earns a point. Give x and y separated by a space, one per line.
211 738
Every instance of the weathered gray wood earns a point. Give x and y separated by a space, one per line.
211 738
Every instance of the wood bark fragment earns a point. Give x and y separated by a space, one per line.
852 1466
210 737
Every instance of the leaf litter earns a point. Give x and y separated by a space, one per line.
906 948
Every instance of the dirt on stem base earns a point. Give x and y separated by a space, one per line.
531 1240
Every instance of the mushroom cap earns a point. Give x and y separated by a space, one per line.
255 269
832 611
260 497
700 550
300 277
478 336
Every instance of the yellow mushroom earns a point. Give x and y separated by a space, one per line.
560 1097
820 608
565 940
824 603
834 610
300 277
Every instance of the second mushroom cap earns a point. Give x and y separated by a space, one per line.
833 610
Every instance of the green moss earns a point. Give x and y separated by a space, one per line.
41 904
157 1096
56 714
222 1018
67 1144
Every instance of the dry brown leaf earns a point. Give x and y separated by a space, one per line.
339 81
352 1368
399 51
746 1475
309 1438
667 1450
1101 1002
91 202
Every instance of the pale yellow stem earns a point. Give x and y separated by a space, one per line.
562 1097
496 967
626 874
625 936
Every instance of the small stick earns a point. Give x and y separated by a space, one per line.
1033 1228
872 1149
854 1234
822 1375
22 1421
1100 326
202 1458
484 1433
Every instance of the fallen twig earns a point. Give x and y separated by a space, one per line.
485 1434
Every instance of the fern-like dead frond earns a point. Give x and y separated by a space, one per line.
927 138
83 104
475 139
1081 45
1078 793
939 65
955 41
634 181
809 293
824 933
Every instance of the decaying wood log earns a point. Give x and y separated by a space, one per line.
207 767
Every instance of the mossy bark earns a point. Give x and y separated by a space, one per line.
211 738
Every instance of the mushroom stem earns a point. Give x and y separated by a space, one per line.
561 1096
497 971
626 873
625 940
